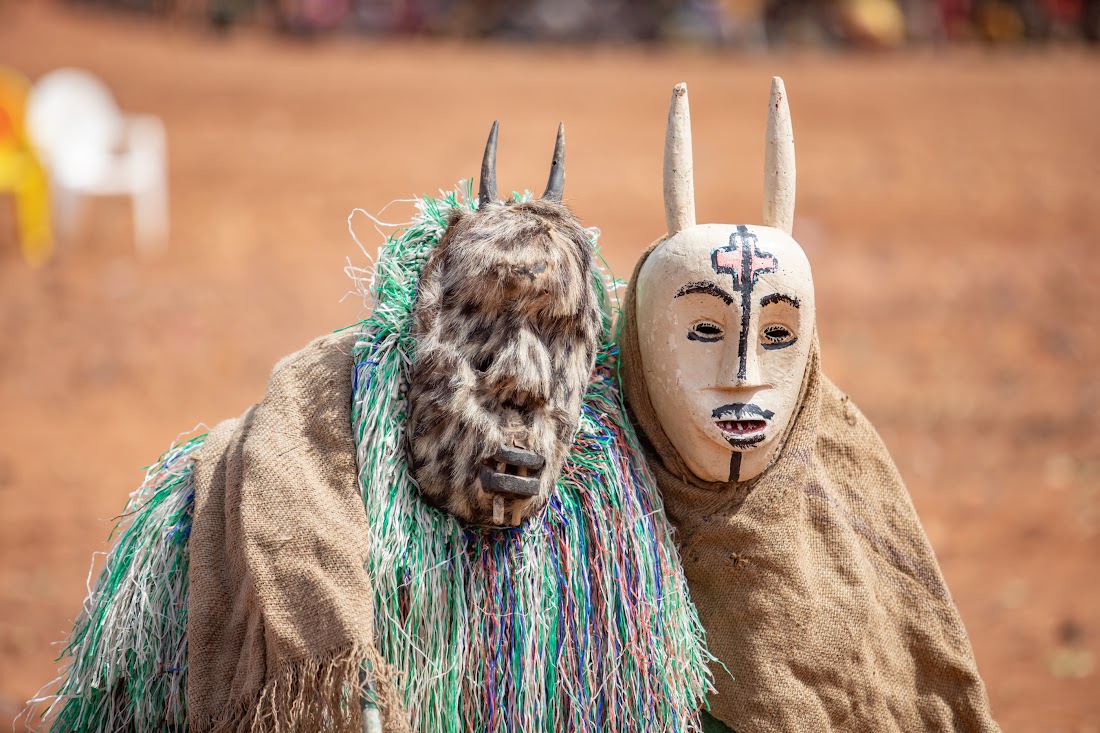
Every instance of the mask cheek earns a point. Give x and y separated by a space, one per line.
783 397
690 397
675 382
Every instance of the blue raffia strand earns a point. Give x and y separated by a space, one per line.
578 621
126 667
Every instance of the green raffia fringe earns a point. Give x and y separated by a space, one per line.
126 657
578 621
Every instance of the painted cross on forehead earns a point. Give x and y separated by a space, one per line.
743 259
721 311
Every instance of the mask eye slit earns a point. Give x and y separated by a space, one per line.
777 336
705 331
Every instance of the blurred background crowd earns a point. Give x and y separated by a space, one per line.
744 23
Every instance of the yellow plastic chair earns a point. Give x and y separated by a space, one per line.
21 174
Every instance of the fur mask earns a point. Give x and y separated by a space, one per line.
506 328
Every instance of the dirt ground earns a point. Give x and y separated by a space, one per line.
948 202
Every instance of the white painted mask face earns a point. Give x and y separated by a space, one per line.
725 314
725 323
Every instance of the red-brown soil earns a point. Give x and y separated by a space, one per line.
949 203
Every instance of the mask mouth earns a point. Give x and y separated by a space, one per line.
742 424
512 477
742 433
741 412
741 428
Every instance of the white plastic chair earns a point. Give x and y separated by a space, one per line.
92 149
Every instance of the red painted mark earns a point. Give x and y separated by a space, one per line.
731 260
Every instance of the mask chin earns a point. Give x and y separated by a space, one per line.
750 463
714 459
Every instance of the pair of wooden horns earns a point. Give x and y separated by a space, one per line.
779 169
487 190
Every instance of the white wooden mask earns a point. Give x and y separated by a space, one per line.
726 313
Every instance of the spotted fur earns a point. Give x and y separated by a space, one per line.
506 326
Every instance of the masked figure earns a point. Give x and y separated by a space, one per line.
814 580
439 520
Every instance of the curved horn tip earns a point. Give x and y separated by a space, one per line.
555 185
487 188
680 89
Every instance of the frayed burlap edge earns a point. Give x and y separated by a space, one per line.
318 695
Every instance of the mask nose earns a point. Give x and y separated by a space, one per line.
513 472
735 372
752 375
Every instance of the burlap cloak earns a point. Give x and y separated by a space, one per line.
281 609
815 582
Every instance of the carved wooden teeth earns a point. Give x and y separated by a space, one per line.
741 426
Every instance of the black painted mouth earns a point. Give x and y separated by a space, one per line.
741 411
742 433
742 424
512 473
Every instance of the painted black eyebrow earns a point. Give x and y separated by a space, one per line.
705 288
779 298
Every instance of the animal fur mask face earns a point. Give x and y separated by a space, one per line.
506 327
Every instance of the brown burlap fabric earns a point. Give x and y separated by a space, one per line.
815 582
281 609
